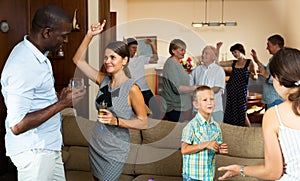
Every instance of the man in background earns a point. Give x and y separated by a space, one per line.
270 96
137 71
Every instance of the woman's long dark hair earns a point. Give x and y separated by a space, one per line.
285 65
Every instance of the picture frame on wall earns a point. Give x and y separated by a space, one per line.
143 48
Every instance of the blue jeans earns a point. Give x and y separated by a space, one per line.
276 102
186 178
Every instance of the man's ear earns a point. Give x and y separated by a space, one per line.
46 33
195 104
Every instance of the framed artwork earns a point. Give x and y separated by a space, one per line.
144 48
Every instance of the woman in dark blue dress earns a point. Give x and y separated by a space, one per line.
237 87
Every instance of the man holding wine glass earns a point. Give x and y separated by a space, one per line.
33 137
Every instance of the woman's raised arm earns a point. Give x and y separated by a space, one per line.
80 56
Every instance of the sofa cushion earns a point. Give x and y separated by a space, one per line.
125 177
79 176
130 163
78 159
163 134
68 112
245 142
76 130
65 155
158 161
135 136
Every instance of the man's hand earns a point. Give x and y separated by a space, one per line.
69 97
254 56
149 41
261 69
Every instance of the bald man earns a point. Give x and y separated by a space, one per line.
212 75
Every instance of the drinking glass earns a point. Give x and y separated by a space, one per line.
77 83
102 105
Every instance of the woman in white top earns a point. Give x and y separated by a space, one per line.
281 125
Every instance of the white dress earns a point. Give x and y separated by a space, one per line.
290 145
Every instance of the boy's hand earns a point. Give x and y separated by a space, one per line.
213 145
223 148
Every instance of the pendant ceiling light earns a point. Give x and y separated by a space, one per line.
206 23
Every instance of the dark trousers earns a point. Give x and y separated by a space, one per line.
153 104
178 116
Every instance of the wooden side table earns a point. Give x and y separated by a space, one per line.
254 99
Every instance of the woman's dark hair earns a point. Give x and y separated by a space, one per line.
238 47
121 49
49 16
276 40
285 66
176 43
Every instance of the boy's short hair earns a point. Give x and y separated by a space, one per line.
198 89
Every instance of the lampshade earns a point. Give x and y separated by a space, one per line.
206 23
214 23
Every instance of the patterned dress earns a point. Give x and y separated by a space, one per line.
110 145
236 95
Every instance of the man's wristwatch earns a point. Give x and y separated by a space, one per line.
242 171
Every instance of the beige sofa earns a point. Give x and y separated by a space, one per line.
155 152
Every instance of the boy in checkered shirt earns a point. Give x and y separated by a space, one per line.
201 139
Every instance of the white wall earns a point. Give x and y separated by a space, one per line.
257 19
292 23
93 60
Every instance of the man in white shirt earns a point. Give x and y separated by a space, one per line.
137 71
211 74
33 137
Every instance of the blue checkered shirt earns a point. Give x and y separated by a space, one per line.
200 165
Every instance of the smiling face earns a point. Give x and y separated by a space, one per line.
236 54
113 62
58 36
179 52
208 56
205 102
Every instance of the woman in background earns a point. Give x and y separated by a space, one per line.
176 85
237 87
110 141
281 125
